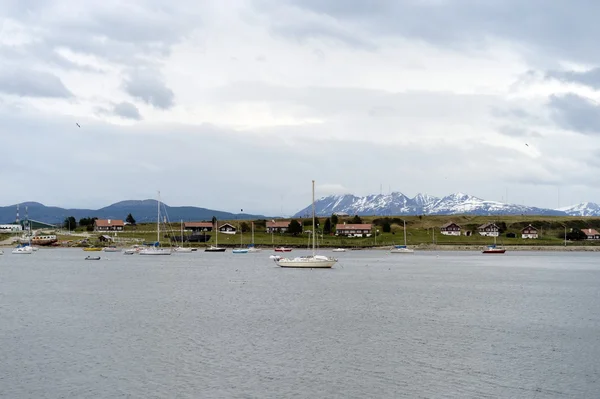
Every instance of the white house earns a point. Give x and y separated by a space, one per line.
450 229
10 228
227 228
529 232
489 230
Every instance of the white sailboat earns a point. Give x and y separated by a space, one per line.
240 250
215 248
402 249
155 250
313 261
25 249
181 248
252 248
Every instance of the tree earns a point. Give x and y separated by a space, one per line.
356 220
334 219
130 219
214 220
295 227
70 223
386 227
576 234
327 226
244 227
86 222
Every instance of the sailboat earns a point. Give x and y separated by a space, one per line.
240 250
25 249
251 247
313 261
215 248
493 249
402 249
155 250
181 248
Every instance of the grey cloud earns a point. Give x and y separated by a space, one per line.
589 78
127 110
516 131
544 25
32 83
575 113
150 88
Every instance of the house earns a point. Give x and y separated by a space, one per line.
105 238
353 230
108 225
529 232
489 230
10 228
278 227
198 227
227 228
591 234
450 229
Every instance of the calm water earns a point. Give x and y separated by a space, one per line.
210 325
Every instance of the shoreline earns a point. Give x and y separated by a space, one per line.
419 247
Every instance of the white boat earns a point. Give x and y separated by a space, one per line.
251 247
402 249
1 252
181 249
313 261
111 249
130 251
339 250
240 250
23 250
155 250
215 248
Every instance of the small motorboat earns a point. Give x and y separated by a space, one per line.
92 258
275 257
111 249
240 250
212 248
283 249
339 250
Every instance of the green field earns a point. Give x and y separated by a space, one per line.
420 230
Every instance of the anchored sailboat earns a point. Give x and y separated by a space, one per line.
155 250
313 261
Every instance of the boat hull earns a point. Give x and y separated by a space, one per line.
183 250
493 251
305 265
92 249
40 240
240 251
215 249
282 249
402 251
154 252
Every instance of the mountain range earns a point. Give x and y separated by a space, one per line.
142 211
397 203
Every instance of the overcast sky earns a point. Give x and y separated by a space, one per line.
240 103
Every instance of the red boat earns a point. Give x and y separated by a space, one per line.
283 249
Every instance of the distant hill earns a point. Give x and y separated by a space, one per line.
142 211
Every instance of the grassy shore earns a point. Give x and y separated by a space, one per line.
422 231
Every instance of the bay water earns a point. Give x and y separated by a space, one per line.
223 325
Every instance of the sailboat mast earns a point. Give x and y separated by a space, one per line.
253 232
404 232
313 218
158 219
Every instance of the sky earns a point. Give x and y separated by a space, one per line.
240 104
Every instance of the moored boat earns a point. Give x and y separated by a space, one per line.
493 249
338 250
282 249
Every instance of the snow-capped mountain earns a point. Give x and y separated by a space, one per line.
583 209
398 204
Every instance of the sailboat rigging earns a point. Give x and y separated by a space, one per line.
313 261
155 250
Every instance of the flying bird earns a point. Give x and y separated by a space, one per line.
77 124
527 144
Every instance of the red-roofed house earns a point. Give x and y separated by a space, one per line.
591 234
278 227
108 225
198 227
353 230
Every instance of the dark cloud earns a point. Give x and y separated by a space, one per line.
566 28
576 113
127 110
32 83
150 88
589 78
